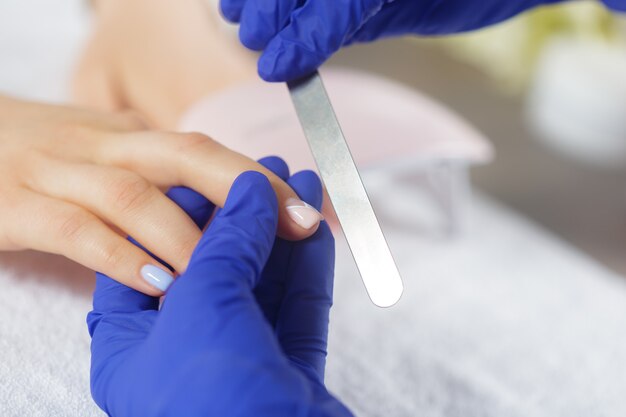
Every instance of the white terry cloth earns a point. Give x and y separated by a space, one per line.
507 322
44 371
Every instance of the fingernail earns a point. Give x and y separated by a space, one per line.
157 277
303 214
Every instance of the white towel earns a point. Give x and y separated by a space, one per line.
43 337
508 322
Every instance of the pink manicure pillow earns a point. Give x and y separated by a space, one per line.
382 121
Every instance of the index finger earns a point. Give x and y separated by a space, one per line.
198 162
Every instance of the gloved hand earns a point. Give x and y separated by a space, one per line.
297 36
242 332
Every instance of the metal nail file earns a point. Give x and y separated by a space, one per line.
346 190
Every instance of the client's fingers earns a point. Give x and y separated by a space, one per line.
111 296
196 161
59 227
126 200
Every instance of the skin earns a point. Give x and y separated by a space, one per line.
156 59
76 182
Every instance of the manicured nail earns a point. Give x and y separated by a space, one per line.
303 214
157 277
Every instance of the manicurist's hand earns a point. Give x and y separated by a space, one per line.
243 332
297 36
76 182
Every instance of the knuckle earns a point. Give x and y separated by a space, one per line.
71 226
67 132
113 256
129 192
185 250
191 142
188 152
132 121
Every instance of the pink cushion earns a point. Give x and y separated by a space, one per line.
381 119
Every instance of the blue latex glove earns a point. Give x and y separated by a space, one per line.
242 332
297 36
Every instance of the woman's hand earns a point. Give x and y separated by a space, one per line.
158 58
76 182
242 333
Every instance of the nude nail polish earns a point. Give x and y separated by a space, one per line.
157 277
305 215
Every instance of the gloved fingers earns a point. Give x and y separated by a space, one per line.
227 262
391 20
111 297
231 9
302 325
316 30
197 207
619 5
277 165
270 289
308 187
261 20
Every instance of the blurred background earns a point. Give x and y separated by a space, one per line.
549 90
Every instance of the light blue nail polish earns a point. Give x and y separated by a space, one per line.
157 277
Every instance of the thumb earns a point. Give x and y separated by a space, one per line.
617 5
229 258
315 31
231 9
